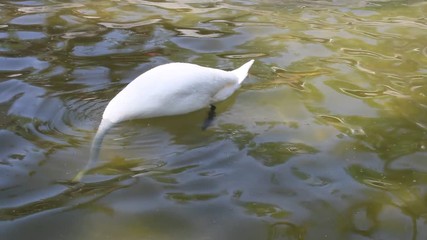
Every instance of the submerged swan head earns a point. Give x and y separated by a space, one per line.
169 89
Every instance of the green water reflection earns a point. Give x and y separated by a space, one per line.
326 139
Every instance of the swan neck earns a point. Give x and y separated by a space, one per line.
103 129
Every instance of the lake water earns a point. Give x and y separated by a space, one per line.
326 139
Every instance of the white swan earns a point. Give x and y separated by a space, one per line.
169 89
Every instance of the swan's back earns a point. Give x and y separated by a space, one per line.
171 89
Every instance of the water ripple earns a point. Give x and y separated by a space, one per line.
360 52
29 20
385 91
130 25
49 8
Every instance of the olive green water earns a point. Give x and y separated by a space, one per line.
326 139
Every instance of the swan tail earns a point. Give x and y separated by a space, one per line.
242 72
103 128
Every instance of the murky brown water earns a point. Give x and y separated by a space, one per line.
326 139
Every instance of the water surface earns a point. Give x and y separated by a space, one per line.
326 139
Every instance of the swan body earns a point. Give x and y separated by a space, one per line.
169 89
173 89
